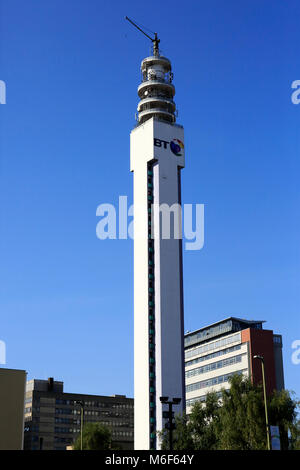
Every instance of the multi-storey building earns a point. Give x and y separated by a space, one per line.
53 417
214 353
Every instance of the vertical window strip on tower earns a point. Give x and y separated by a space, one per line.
151 311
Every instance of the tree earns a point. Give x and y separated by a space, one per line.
95 436
204 423
196 431
282 412
236 420
182 438
241 417
295 437
242 424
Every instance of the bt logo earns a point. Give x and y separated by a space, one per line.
176 145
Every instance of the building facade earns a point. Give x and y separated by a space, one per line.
53 418
12 395
157 157
214 353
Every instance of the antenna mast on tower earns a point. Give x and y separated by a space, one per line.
155 40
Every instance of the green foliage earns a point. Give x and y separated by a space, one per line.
236 421
282 412
204 423
182 438
95 436
197 431
241 417
295 437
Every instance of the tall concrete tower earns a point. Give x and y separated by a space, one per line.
157 157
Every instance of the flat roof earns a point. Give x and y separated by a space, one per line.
241 320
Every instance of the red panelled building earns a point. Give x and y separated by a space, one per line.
219 350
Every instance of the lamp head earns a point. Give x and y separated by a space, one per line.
164 399
176 401
258 357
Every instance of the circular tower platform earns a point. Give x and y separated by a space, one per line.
156 91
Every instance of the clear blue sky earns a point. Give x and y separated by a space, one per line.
72 69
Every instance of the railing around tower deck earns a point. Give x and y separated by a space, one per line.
167 79
166 88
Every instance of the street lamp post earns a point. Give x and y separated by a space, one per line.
265 398
81 404
175 401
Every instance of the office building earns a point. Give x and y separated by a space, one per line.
214 353
12 395
157 157
53 418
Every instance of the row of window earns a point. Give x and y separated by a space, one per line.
58 430
95 404
200 399
122 434
70 411
67 420
211 331
63 440
214 345
214 365
210 382
222 352
65 411
117 424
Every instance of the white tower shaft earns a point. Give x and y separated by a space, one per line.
157 156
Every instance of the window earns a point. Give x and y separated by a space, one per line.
200 399
214 365
213 345
212 355
210 382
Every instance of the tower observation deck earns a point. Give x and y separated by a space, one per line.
156 92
